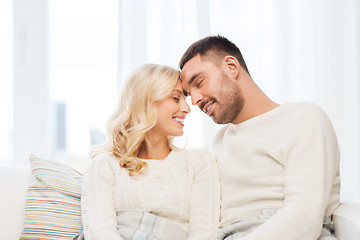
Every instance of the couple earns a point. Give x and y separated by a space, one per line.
277 164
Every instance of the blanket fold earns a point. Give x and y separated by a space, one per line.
138 225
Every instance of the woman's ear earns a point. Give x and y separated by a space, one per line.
232 66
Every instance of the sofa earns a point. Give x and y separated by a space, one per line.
14 181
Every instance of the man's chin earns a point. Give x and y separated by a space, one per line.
218 121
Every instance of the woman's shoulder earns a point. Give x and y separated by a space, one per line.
193 151
196 154
103 157
103 160
197 162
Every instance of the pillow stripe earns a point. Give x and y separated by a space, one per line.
52 209
49 189
50 232
65 227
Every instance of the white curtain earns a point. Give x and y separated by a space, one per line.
315 59
30 79
295 50
301 50
159 32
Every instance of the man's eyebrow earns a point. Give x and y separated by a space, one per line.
193 78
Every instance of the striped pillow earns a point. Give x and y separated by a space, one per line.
52 209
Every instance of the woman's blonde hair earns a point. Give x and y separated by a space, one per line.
136 114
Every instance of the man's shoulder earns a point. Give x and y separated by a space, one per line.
301 110
303 117
300 107
306 105
307 108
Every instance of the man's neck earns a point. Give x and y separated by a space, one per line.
256 103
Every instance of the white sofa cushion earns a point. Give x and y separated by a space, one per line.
347 221
14 181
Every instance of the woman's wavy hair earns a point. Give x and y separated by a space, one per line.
136 114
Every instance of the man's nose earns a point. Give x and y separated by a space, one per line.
196 98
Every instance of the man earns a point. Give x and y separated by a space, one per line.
278 164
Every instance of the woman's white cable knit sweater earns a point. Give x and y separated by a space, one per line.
183 188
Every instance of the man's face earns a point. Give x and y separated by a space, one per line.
212 89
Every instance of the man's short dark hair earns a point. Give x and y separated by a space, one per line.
213 48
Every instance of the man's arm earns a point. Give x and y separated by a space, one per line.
312 161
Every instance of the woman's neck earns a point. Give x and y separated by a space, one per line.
155 148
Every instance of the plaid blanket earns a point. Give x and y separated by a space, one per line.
137 225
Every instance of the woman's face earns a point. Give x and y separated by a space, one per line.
172 112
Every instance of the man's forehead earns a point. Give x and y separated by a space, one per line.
194 60
190 68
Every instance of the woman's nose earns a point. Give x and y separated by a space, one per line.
184 107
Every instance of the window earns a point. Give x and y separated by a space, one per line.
83 67
6 102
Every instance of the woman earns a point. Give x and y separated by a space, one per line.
139 186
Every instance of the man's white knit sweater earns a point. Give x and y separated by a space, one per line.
183 188
285 159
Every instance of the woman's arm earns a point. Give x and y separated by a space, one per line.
205 198
97 206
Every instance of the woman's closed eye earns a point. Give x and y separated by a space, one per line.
175 96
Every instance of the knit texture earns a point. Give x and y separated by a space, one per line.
183 188
285 159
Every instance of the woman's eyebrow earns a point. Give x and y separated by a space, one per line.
177 90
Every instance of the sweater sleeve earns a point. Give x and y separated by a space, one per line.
97 206
205 198
312 160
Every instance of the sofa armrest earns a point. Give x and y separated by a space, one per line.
347 221
14 181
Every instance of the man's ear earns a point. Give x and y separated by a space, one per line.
232 66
